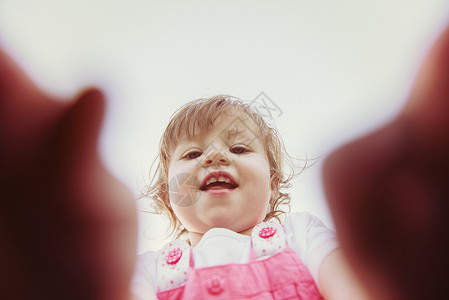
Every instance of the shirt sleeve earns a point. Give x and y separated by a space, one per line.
143 282
310 239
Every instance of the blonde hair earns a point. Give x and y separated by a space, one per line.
197 117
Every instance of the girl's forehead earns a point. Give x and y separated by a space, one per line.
227 127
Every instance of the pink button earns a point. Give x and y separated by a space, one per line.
173 256
267 232
215 285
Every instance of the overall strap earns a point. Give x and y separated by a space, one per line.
174 258
268 238
173 265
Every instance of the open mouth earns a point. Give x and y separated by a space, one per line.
218 181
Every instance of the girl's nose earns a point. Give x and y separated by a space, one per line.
215 158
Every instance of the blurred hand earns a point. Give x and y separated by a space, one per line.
67 227
389 193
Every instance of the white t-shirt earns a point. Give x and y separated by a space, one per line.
304 233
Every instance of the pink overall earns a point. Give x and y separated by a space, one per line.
280 276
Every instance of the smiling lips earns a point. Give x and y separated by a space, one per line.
218 181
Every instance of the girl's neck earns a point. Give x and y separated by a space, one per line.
195 237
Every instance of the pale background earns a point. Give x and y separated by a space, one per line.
337 69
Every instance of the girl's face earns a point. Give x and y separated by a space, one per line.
221 178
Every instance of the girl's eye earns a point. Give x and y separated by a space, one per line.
192 155
238 150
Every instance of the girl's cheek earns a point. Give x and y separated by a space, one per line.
183 189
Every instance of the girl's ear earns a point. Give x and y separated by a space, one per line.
163 193
274 186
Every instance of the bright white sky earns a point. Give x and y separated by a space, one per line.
336 68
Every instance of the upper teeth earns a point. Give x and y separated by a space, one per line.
220 179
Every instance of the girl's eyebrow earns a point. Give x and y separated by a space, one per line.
243 135
235 132
184 144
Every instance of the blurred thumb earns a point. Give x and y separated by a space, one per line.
76 135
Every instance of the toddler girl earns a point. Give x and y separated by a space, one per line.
220 181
